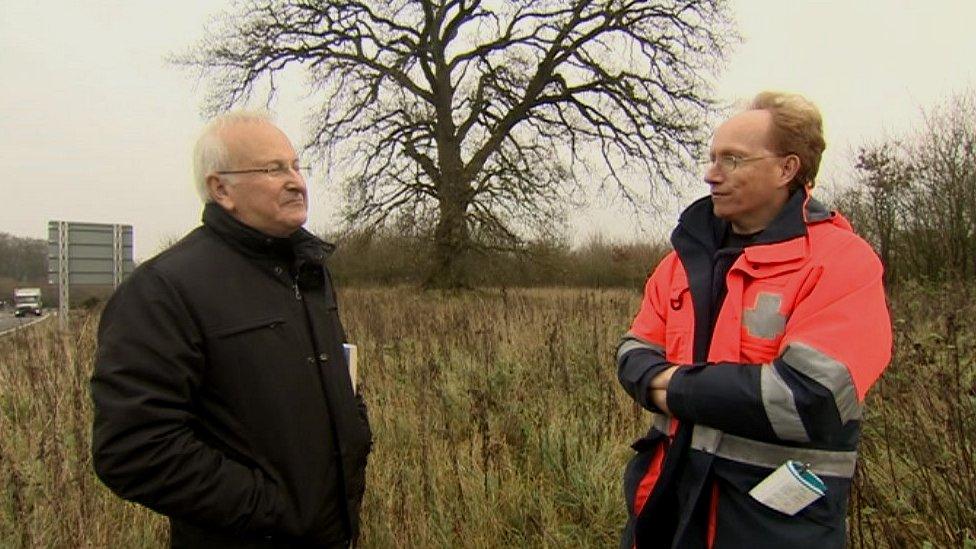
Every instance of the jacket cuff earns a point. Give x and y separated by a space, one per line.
636 370
680 397
645 387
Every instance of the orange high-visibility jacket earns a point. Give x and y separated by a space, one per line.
776 370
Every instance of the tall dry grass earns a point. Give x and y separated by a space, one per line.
916 478
499 423
497 417
49 495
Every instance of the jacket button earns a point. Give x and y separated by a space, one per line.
310 359
323 357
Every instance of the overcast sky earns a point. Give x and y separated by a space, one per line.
96 126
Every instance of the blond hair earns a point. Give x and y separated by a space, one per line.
797 129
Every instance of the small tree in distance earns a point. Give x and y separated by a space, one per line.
916 202
476 120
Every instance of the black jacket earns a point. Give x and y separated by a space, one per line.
222 396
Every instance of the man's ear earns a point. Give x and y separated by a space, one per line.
218 188
789 168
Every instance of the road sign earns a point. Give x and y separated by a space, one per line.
95 253
87 254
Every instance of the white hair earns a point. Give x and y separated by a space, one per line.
210 153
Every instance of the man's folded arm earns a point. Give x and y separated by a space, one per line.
639 362
837 343
772 402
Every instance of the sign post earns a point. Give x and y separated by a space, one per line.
91 254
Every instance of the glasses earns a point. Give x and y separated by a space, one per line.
275 170
728 163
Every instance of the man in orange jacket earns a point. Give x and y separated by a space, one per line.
756 342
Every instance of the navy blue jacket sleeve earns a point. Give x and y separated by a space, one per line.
729 397
638 362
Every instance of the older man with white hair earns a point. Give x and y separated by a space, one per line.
222 394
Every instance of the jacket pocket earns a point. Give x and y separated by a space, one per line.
245 326
825 512
679 325
250 353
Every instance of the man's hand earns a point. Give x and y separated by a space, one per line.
659 389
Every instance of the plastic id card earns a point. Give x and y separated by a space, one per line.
790 488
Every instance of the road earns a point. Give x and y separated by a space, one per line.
8 322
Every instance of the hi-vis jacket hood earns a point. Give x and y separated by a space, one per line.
779 349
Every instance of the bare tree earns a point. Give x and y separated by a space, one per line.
917 196
942 157
480 119
886 178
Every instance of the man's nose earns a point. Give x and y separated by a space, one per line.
296 182
713 174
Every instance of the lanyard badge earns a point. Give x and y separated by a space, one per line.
790 488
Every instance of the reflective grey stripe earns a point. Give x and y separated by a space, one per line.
780 406
630 342
764 320
828 372
661 422
743 450
706 439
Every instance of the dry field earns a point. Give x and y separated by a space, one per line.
499 423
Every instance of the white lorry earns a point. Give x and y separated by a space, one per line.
27 301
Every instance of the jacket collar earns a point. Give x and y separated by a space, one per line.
301 246
699 222
788 223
